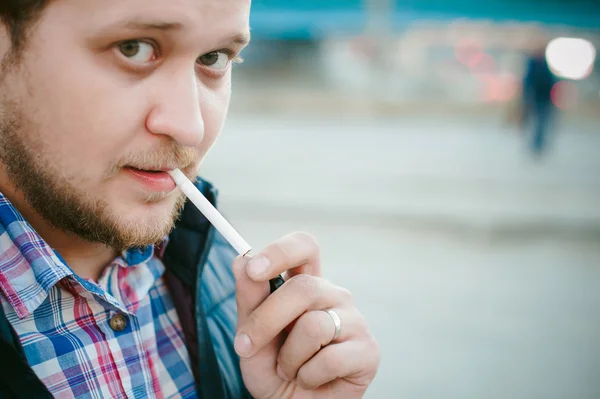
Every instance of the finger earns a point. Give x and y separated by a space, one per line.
298 295
312 331
355 361
249 295
297 252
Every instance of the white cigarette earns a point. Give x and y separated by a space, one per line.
210 212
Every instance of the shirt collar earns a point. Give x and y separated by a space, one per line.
29 267
136 256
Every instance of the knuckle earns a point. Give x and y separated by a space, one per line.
359 323
288 364
257 327
346 295
312 326
307 238
279 249
363 326
308 285
332 362
373 349
305 379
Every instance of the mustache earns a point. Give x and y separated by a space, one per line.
170 157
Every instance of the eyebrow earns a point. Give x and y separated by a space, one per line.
241 39
151 25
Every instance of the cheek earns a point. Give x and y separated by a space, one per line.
83 144
214 111
87 126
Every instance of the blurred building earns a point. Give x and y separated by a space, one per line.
475 263
452 52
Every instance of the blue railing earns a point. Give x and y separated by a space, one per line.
309 19
302 19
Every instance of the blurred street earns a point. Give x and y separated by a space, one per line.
476 264
387 129
473 175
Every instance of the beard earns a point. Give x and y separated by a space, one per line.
67 208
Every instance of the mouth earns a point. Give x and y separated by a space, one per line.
153 178
152 169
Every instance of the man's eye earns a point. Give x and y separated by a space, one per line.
217 60
137 51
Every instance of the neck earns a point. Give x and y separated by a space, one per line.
86 259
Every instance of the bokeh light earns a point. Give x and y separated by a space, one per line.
481 64
564 95
468 50
571 58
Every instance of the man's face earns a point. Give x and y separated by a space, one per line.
107 93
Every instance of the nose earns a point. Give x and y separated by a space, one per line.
176 110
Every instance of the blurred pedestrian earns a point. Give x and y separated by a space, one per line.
538 109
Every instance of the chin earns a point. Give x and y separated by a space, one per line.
143 220
139 204
143 231
150 213
149 208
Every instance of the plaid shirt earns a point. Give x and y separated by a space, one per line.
118 338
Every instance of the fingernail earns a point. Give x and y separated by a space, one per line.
281 374
257 267
242 345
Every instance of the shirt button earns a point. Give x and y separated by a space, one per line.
118 322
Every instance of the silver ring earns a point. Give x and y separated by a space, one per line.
336 321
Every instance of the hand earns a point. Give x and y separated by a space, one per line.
301 360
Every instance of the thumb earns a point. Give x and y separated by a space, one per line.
259 371
249 294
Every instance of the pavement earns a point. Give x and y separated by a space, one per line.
443 172
476 265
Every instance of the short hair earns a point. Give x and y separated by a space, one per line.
18 16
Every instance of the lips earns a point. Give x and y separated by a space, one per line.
152 179
152 169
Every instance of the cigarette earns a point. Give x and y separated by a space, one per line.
217 220
210 212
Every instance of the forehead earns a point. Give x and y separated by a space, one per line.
205 16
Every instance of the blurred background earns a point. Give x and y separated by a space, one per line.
402 134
